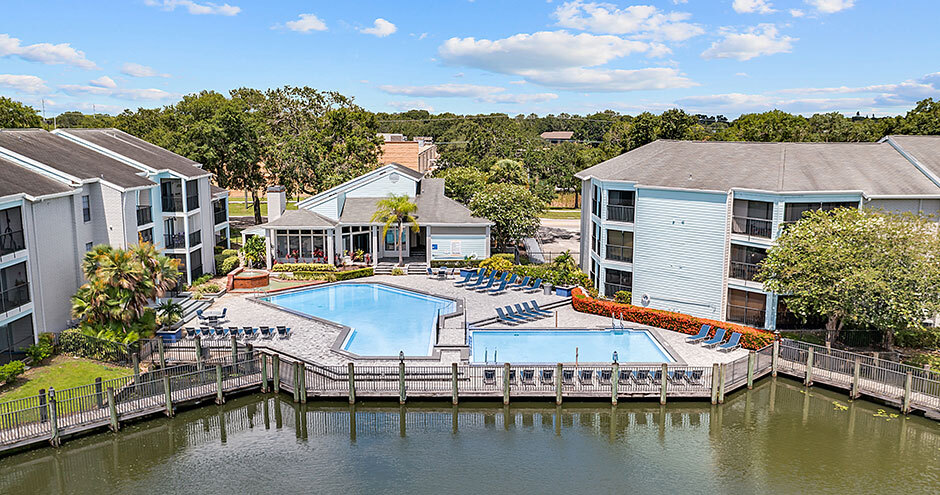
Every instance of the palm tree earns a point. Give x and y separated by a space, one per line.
396 210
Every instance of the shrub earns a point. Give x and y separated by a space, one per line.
9 371
398 271
219 259
918 338
331 276
228 265
303 267
351 274
751 338
498 263
919 360
42 349
623 297
229 252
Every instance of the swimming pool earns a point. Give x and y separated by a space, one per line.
384 320
559 346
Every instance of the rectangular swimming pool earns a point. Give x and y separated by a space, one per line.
384 320
560 346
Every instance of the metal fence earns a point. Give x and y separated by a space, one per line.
75 343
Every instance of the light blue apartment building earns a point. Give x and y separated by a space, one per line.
683 225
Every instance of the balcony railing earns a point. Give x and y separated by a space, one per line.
620 253
144 215
173 202
743 271
192 203
618 213
220 217
11 242
174 241
756 227
753 317
14 297
195 238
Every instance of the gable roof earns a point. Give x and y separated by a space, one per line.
299 219
925 151
15 179
69 158
875 169
358 181
137 149
434 208
556 135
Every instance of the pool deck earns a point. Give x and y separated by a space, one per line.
314 340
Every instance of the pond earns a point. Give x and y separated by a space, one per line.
777 438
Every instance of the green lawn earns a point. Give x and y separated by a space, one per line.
61 373
561 214
238 209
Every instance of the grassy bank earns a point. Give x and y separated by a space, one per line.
60 373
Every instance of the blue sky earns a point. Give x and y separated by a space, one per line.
520 56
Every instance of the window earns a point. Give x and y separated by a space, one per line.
11 231
746 307
745 261
14 287
753 218
596 201
616 281
88 246
15 337
620 206
620 246
794 211
596 238
301 245
86 208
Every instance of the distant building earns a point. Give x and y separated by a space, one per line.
556 137
419 154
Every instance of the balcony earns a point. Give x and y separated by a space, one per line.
14 297
172 202
174 241
755 227
620 253
220 217
753 317
195 238
11 242
619 213
144 215
192 203
743 271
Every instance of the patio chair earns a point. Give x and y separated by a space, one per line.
535 287
719 336
191 332
466 279
223 313
513 314
603 376
490 283
567 376
643 376
512 278
702 335
199 315
234 331
265 332
249 332
586 377
523 283
442 272
219 332
733 343
626 377
498 290
527 377
512 376
676 377
657 376
430 272
507 319
535 309
489 377
547 376
205 331
694 377
283 332
480 281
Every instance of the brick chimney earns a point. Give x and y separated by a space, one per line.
277 202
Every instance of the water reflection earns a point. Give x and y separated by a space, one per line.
778 437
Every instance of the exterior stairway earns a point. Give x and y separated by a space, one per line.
190 306
386 267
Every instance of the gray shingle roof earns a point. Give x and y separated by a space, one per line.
15 179
299 219
434 208
139 150
924 149
874 168
71 158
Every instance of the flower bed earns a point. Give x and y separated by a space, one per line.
751 338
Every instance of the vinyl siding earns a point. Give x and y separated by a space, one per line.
383 186
54 269
926 206
679 250
470 245
327 208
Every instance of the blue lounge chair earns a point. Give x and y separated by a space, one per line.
626 377
535 305
535 309
657 376
489 377
219 332
490 283
536 286
527 314
733 343
527 377
234 331
603 376
586 377
676 377
500 289
204 331
524 283
249 332
430 272
548 376
694 377
467 278
719 336
481 280
567 376
199 315
283 332
191 333
643 376
513 314
512 278
702 335
507 319
265 332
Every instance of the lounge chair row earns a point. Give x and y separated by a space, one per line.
522 313
716 341
587 377
238 332
480 282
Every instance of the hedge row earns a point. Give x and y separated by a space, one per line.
303 267
751 338
333 276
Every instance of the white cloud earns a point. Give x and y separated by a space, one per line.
797 13
114 92
138 70
903 93
522 98
103 82
404 106
380 28
44 53
206 8
306 23
641 21
23 83
586 79
480 93
523 81
831 6
752 7
741 74
763 39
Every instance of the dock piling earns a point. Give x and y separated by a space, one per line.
53 419
751 357
168 395
715 383
219 398
264 373
401 382
276 372
662 384
856 374
614 382
506 384
454 393
906 404
352 383
808 378
112 408
721 384
558 388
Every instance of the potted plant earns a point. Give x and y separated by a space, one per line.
466 266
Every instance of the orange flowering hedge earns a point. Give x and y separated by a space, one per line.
751 338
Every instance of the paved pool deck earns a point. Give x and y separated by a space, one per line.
314 340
